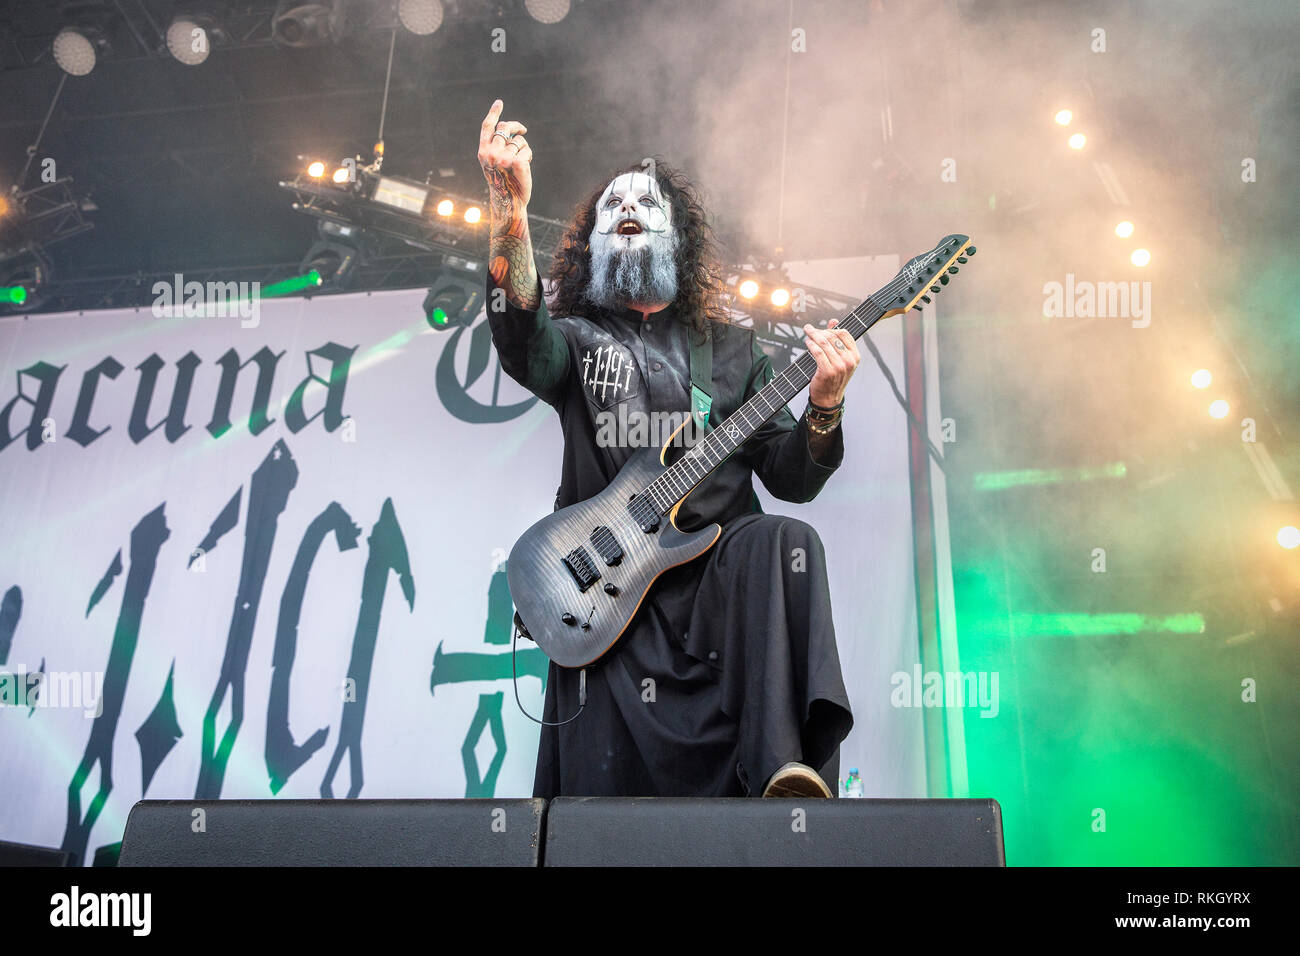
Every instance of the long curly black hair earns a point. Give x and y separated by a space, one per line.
699 282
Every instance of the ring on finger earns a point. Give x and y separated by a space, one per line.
504 136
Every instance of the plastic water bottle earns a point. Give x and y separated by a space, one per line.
852 787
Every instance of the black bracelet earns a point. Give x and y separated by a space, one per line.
821 408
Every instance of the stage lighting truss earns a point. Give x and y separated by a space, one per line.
41 216
753 293
418 214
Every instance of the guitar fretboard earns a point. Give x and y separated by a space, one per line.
717 445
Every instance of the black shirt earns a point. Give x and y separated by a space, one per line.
620 376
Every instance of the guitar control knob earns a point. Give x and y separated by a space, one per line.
611 589
586 625
568 619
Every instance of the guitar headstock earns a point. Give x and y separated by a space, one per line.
925 275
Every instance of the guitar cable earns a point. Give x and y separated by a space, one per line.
514 676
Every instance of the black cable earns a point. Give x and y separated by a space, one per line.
514 676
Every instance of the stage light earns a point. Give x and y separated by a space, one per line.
446 207
297 24
15 294
1140 257
190 38
1124 229
780 297
1202 378
316 170
331 260
4 206
1077 141
74 51
1289 537
1218 408
748 289
340 175
1063 118
25 284
421 17
547 11
453 300
473 214
408 197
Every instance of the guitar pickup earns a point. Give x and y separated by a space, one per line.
607 545
579 563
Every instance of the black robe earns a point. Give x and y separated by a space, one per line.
730 667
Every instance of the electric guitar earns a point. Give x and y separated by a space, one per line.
579 575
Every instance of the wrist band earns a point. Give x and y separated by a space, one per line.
822 408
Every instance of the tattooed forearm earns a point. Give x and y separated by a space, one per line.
510 248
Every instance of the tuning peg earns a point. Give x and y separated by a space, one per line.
962 259
953 269
943 279
925 299
934 288
970 250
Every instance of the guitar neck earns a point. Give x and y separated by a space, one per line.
698 463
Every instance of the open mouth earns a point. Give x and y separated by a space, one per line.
629 227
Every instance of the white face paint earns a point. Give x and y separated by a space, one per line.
630 210
633 244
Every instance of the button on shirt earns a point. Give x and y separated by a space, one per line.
613 369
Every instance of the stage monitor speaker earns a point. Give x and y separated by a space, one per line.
333 833
20 854
626 831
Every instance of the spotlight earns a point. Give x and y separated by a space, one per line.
340 175
333 261
25 285
316 170
547 11
446 207
299 25
473 214
76 49
780 297
1077 141
1202 378
1140 257
1063 118
748 289
1289 537
1124 229
453 301
421 17
1218 408
190 38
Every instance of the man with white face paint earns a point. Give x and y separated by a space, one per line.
727 681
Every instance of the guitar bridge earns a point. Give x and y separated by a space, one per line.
579 563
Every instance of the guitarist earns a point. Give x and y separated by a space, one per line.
727 681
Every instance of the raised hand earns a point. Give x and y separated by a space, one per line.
506 160
505 155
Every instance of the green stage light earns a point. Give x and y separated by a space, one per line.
997 480
1087 625
15 294
289 286
439 316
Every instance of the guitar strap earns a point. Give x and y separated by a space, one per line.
702 378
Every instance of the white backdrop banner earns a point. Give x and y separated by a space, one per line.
249 560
